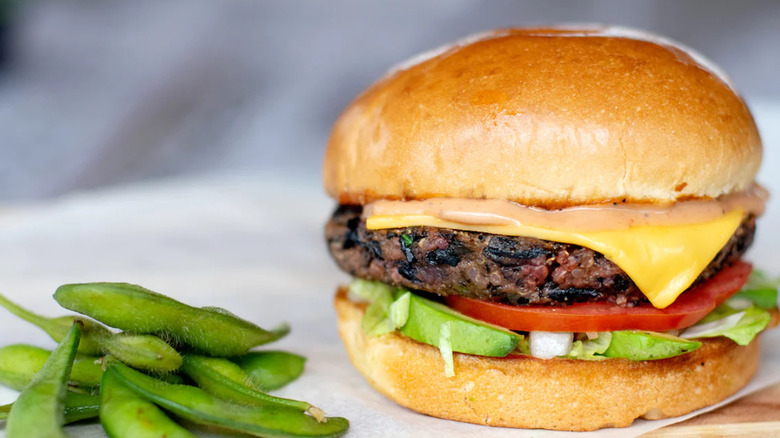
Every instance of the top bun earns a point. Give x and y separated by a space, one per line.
550 118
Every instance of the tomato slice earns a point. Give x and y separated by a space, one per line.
689 308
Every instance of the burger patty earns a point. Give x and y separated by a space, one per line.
506 269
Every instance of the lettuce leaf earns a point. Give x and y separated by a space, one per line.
370 290
445 348
726 309
399 310
760 280
591 349
741 326
760 289
377 320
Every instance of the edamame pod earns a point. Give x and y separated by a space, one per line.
200 407
77 407
81 406
226 380
139 351
135 309
38 412
146 352
170 378
125 414
19 364
271 370
58 327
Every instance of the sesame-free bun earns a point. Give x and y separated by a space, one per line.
526 392
546 117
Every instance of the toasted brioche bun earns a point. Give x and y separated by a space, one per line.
550 118
526 392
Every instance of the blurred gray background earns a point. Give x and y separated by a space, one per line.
96 93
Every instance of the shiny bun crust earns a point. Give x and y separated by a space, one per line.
556 394
546 117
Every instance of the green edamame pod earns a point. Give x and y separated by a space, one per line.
226 380
77 407
125 414
58 327
142 352
135 309
19 364
170 378
81 406
146 352
38 412
271 370
200 407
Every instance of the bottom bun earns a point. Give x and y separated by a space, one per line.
526 392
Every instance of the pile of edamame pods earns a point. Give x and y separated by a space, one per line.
169 358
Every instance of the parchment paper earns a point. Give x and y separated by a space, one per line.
253 245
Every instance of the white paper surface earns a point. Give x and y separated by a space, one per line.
255 246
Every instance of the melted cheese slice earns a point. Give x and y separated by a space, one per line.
663 261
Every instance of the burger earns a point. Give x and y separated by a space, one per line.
546 228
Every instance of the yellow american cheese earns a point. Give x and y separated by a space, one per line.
663 261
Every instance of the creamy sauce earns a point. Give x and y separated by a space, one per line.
585 218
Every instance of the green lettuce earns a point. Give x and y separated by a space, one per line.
591 349
741 326
760 289
445 348
726 309
399 310
377 320
370 290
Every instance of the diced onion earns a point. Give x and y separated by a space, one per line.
547 345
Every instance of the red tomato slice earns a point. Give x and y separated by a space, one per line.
600 317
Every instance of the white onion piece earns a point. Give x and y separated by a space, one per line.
547 345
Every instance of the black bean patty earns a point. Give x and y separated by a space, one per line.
512 270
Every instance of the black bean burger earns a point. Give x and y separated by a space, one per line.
546 230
